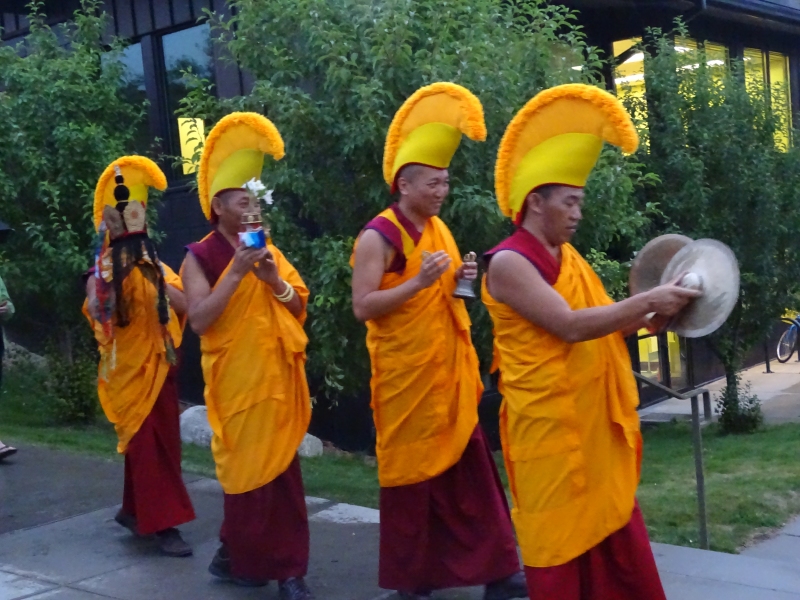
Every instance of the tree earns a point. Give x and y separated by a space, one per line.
714 141
65 118
331 76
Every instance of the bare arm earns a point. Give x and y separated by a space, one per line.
512 280
177 300
205 306
372 254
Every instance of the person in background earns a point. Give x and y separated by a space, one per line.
6 312
134 305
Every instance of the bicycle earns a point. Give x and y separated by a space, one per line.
788 342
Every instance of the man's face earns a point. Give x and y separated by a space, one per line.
229 206
560 211
424 188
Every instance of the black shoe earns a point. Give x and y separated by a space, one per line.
513 586
127 521
220 567
6 451
171 543
294 588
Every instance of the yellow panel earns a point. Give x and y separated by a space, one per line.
780 96
192 135
754 67
649 364
675 364
629 76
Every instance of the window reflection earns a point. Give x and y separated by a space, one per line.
770 71
186 50
133 90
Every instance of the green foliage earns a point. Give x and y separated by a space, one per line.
738 408
331 75
73 388
711 141
64 119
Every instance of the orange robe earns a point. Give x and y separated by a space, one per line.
425 378
133 363
569 426
256 391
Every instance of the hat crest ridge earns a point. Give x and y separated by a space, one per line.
470 120
615 124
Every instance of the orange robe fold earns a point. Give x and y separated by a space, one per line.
256 391
425 377
133 363
568 424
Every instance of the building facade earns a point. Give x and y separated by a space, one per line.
166 36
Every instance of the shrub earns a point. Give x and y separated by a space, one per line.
739 409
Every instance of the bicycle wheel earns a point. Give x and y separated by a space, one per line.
787 343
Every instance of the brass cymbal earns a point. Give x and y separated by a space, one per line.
650 262
710 266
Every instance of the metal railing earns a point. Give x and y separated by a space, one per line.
697 442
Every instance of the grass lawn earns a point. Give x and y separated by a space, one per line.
752 482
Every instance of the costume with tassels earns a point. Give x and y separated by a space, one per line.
568 422
444 518
254 367
137 332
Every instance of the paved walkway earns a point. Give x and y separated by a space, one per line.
58 541
778 391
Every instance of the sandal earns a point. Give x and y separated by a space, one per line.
6 451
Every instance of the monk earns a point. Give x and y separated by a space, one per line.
444 516
136 310
569 425
248 305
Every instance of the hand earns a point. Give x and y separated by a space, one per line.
244 259
658 323
267 271
668 299
468 271
433 267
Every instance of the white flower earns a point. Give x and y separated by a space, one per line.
255 186
267 197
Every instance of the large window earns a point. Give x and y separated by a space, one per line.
186 50
662 358
770 71
629 73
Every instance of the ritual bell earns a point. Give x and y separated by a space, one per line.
708 265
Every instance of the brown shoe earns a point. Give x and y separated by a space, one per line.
171 543
127 521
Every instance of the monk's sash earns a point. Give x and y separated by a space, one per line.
256 391
568 424
425 376
133 361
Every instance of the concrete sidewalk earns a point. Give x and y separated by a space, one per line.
59 542
778 391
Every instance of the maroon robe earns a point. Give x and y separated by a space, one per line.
393 237
621 567
265 530
154 491
450 531
524 243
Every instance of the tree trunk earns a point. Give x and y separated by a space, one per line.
65 345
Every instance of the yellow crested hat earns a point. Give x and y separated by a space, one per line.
127 179
427 129
234 154
557 138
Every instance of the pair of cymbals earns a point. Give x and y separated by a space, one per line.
707 265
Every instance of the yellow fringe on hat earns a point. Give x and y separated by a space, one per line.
270 143
471 123
153 177
617 129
